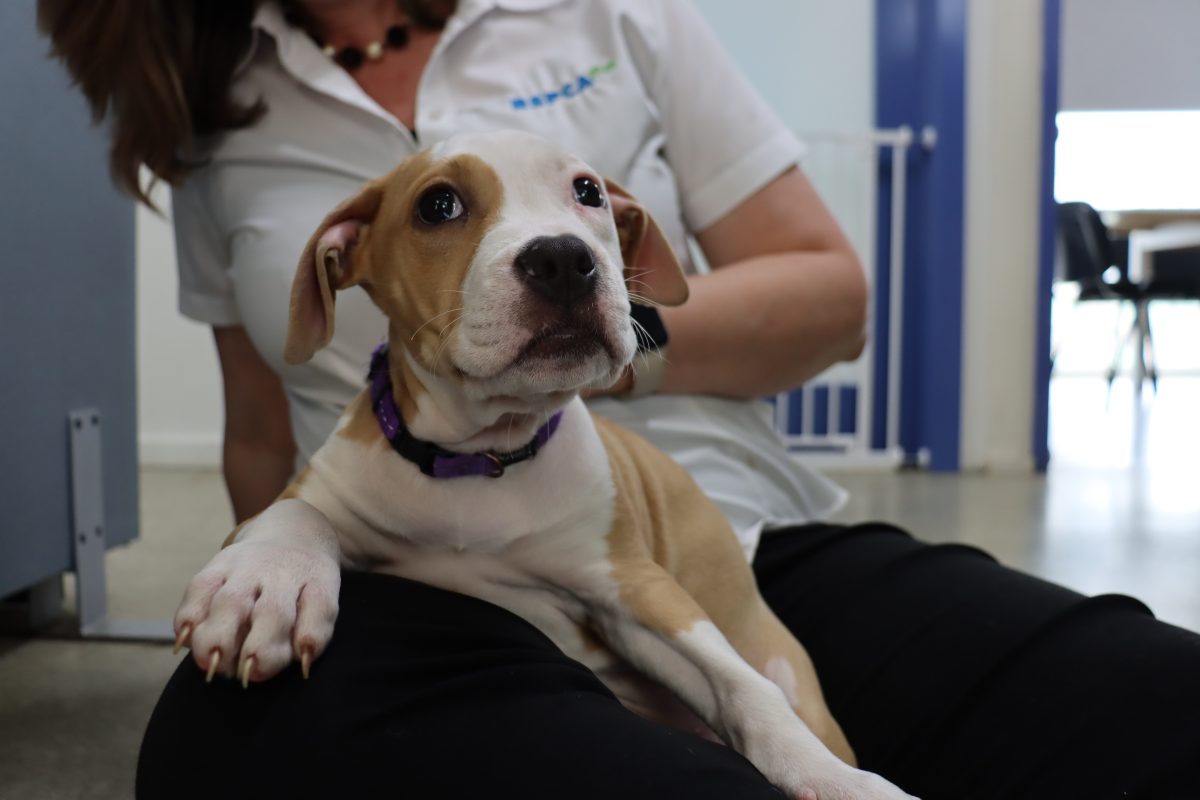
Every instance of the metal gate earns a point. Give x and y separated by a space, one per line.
832 420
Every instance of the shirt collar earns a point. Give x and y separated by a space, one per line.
268 18
301 57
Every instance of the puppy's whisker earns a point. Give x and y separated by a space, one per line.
444 342
544 415
449 325
634 280
437 354
639 332
508 435
434 317
643 335
642 300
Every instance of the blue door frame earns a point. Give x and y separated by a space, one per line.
1045 283
920 83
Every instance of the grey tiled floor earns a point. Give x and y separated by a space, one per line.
72 713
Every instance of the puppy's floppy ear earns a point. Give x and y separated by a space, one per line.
651 269
327 264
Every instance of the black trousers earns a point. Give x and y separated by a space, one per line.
952 676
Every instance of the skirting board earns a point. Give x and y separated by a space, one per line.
200 450
179 450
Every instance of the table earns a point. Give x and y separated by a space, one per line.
1145 242
1125 220
1150 232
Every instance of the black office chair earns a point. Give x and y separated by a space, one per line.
1100 266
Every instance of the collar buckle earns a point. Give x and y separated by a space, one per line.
495 459
429 458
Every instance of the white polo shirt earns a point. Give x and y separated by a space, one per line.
640 89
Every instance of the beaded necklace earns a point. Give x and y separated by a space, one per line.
350 57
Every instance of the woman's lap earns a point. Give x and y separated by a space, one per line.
951 675
430 694
956 677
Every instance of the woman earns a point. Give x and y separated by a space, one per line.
950 675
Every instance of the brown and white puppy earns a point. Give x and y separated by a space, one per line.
502 265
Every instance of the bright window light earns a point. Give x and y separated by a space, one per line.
1122 160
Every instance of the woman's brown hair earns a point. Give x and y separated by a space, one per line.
163 70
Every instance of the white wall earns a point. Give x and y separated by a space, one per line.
1115 54
179 385
1003 174
812 59
1130 54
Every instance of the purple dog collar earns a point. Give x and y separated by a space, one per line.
432 460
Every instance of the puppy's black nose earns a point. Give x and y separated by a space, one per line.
560 268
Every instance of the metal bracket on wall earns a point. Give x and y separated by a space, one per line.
87 534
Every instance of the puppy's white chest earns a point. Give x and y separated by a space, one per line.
513 540
559 501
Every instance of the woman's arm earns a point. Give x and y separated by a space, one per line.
786 298
259 452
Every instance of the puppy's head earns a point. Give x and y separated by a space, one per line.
501 262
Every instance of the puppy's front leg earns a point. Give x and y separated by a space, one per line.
659 628
270 595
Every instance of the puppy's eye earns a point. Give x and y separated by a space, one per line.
588 193
439 204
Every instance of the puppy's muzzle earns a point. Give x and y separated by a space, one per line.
561 269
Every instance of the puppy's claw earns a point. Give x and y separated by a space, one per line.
305 662
247 668
181 640
213 662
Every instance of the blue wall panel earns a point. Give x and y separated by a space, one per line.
921 79
1045 282
66 312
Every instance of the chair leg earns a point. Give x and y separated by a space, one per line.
1123 339
1146 339
1118 349
1139 353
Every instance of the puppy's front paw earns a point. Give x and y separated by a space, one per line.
796 761
847 783
257 605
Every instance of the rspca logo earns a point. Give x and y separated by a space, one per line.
567 91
